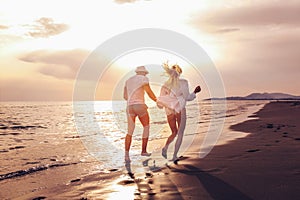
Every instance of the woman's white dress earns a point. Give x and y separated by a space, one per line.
174 100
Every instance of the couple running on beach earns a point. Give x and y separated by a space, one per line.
173 96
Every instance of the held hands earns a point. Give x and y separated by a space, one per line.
159 105
197 89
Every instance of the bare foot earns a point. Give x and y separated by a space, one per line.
145 154
174 159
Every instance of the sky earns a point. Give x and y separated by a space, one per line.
253 44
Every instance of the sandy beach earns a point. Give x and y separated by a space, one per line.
263 165
75 75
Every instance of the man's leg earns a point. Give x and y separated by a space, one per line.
131 126
128 138
146 129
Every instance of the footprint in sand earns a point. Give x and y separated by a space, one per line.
75 180
252 150
126 182
16 147
39 198
4 151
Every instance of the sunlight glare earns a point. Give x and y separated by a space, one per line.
119 191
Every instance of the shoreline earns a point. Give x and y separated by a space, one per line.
262 165
251 167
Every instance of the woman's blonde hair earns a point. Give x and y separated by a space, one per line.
173 73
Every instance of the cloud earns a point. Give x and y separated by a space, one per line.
45 27
6 39
227 30
258 14
3 27
258 44
265 35
32 88
265 64
58 64
126 1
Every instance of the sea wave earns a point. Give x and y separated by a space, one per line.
32 170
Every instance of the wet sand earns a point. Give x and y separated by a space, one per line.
263 165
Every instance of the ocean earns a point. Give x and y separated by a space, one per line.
36 136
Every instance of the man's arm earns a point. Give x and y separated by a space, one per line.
125 95
149 92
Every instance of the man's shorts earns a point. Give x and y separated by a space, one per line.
137 110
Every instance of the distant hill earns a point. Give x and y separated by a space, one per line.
262 96
271 96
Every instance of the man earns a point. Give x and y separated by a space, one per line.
134 90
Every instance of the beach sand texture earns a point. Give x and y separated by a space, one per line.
263 165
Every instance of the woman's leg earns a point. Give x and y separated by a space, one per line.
173 126
181 126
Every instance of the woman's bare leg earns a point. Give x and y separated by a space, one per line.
182 123
173 126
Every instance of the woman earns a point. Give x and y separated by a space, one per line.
173 96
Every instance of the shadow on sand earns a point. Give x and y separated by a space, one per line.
216 188
147 188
